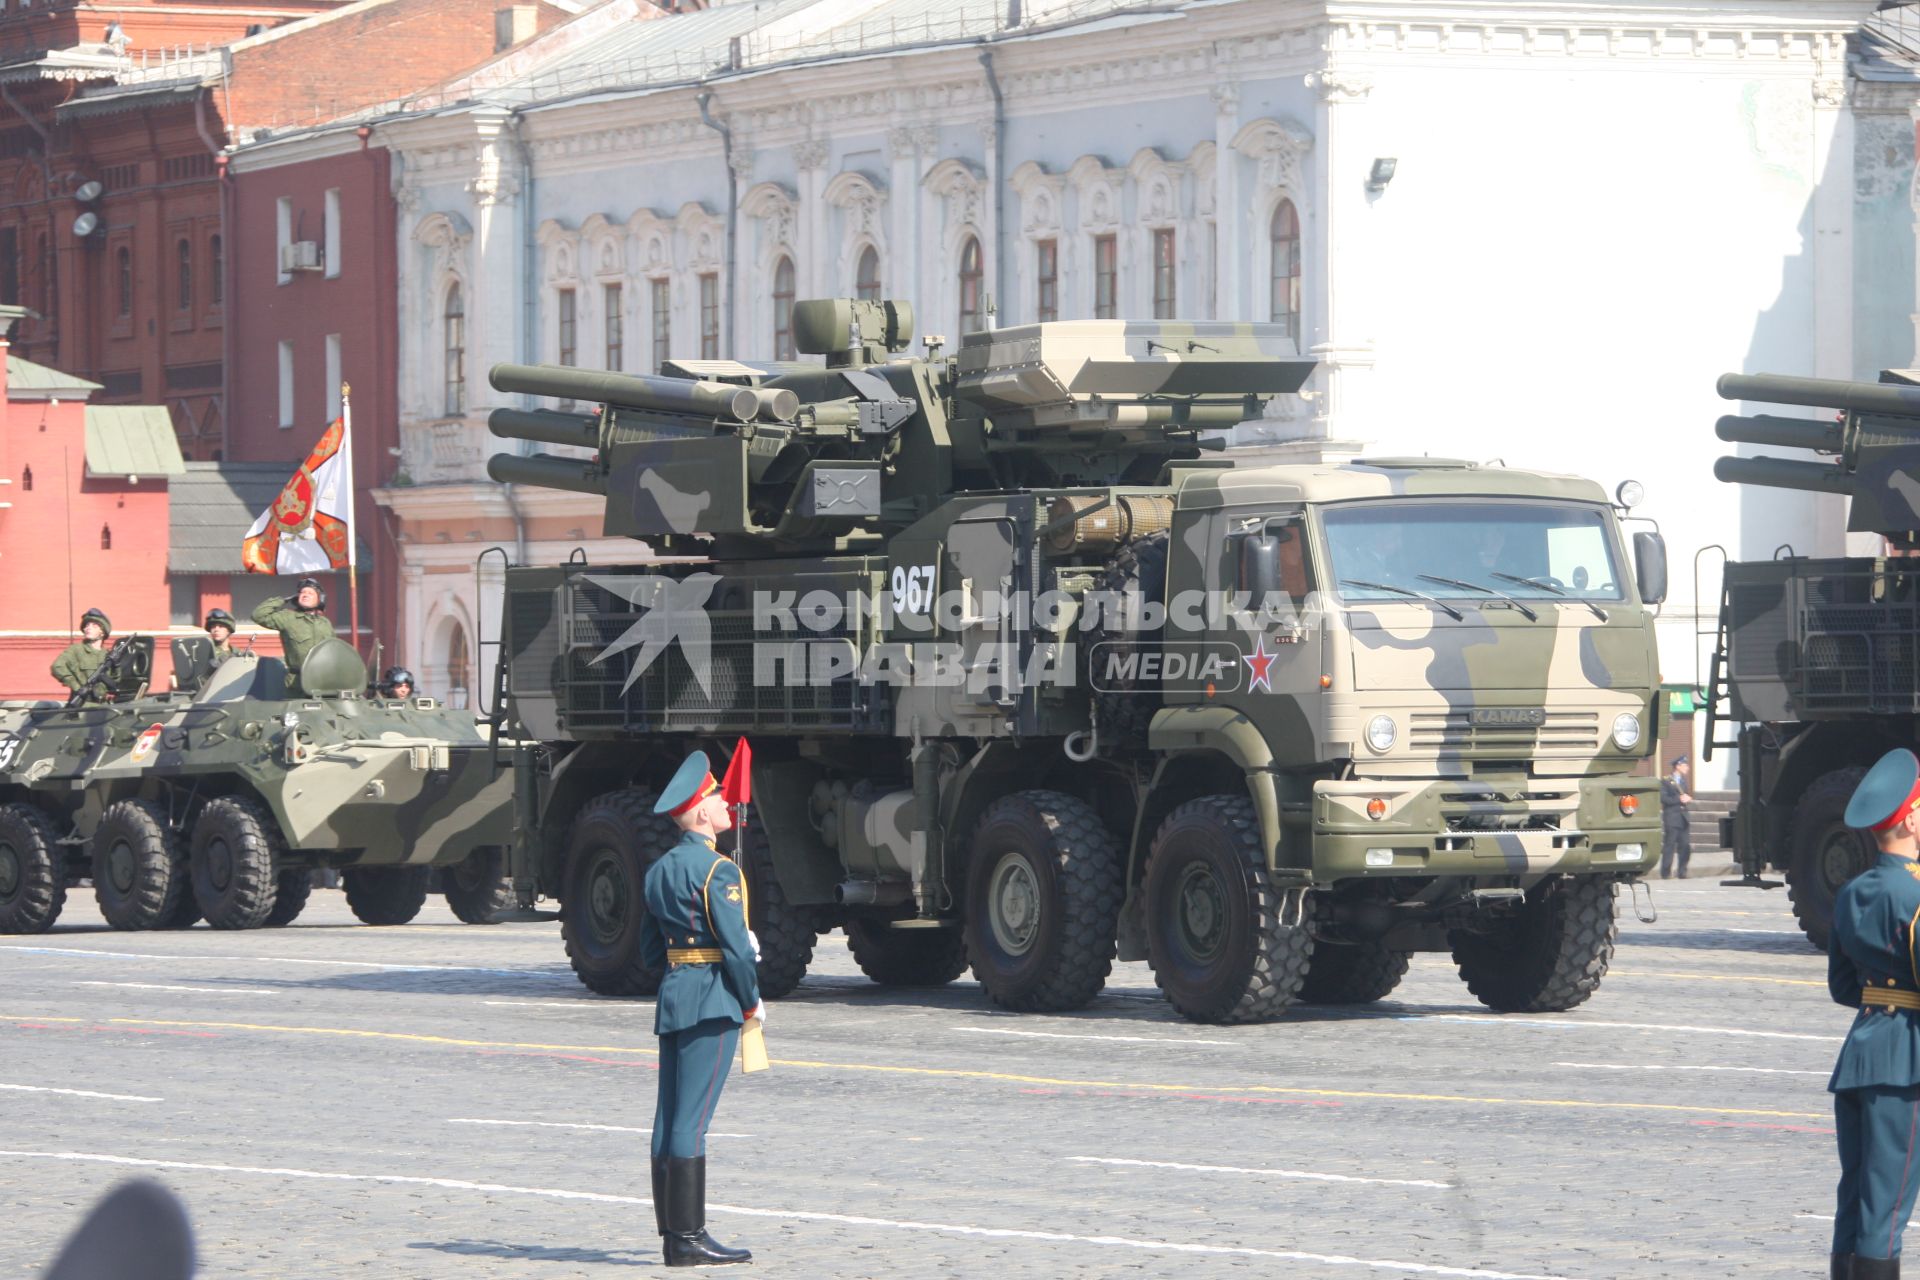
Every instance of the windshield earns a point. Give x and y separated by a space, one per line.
1530 551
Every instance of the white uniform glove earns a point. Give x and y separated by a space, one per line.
756 945
758 1011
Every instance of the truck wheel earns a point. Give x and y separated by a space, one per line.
234 841
478 886
1214 935
907 957
33 883
138 872
186 912
1124 706
386 895
1356 974
1825 851
615 838
1550 956
786 932
1043 900
292 888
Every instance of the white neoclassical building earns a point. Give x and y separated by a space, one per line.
1532 234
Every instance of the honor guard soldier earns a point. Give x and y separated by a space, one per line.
78 662
696 927
221 626
301 624
1876 1083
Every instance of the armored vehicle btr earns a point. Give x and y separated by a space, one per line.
1818 661
219 798
1035 677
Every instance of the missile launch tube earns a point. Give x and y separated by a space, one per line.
777 404
636 390
1820 393
1787 433
546 472
1779 473
578 430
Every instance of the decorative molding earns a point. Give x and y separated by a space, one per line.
1830 91
1278 149
1342 84
772 205
1042 200
810 155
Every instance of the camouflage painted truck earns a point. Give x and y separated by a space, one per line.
1817 667
1034 676
217 799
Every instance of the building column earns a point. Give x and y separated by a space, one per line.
811 275
495 304
1230 284
1832 210
413 607
1341 290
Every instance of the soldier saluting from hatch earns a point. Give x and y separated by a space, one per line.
300 622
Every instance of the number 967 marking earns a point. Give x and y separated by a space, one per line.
913 588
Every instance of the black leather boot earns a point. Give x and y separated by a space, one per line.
1839 1266
1865 1268
687 1243
660 1199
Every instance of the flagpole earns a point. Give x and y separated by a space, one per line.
353 526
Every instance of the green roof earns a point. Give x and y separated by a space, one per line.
29 381
131 440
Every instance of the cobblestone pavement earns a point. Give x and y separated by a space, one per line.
443 1100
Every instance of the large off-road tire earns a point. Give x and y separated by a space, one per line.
478 887
1215 939
1043 897
1824 852
1138 571
386 895
615 838
232 855
1550 955
292 888
907 957
139 873
33 882
1359 973
786 932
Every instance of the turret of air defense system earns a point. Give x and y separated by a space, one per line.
1818 660
217 799
1037 675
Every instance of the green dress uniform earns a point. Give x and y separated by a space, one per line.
77 664
300 631
1876 1082
696 927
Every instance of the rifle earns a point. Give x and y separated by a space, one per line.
107 673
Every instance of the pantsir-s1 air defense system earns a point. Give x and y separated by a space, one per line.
217 799
1035 677
1818 660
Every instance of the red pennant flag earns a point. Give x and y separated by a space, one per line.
737 786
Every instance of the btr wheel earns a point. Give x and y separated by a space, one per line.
292 888
615 838
786 932
1215 938
139 874
1356 973
1824 852
1043 899
1548 957
386 895
907 957
33 884
478 887
234 843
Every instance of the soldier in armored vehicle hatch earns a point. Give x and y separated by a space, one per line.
301 624
77 663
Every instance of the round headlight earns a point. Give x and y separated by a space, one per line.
1381 733
1626 730
1630 494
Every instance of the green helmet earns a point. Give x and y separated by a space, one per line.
94 615
219 618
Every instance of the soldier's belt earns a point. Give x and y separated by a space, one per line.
1890 997
713 955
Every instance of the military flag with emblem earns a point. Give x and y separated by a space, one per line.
309 527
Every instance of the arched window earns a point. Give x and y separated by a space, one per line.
123 270
1285 237
183 282
458 673
783 308
972 314
217 272
866 277
106 537
454 338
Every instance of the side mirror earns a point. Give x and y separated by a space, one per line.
1650 567
1259 575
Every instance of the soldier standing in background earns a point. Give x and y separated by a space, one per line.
696 926
1876 1082
301 624
221 626
1676 822
79 661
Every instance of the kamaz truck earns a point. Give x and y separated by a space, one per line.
1035 675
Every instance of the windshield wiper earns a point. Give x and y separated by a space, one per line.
1543 585
1438 603
1474 586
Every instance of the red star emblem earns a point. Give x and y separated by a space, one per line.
1259 663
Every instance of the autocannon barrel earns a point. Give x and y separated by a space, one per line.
546 472
1788 433
1820 393
579 430
1779 473
721 400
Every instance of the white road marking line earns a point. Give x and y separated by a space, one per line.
154 986
1817 1217
1647 1066
1064 1035
558 1124
339 964
800 1215
1266 1173
78 1093
1784 933
1495 1020
598 1005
